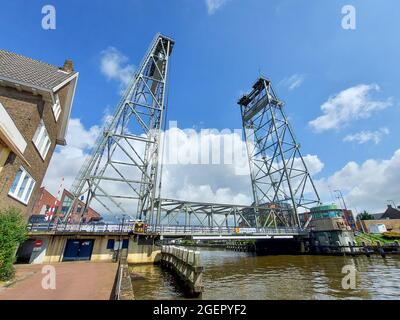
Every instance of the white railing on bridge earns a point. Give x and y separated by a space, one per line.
161 229
76 227
164 229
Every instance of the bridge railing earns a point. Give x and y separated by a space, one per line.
80 227
162 229
177 229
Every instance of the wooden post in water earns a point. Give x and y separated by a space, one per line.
380 249
351 248
365 249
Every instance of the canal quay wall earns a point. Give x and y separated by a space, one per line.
185 265
123 289
105 247
353 249
241 246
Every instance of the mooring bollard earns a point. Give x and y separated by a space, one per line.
317 248
339 247
380 249
365 249
351 248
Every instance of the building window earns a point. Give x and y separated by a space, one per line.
110 244
41 140
66 205
57 108
22 186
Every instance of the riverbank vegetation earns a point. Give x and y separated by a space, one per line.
371 239
13 231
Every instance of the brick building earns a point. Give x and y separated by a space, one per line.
35 106
47 203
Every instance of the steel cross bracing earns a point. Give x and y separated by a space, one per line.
203 214
121 173
280 178
191 214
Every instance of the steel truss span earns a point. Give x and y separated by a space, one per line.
189 214
121 173
279 175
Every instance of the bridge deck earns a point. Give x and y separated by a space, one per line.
167 231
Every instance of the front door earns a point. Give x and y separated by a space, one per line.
25 251
78 250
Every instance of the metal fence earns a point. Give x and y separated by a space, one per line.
168 229
161 229
70 227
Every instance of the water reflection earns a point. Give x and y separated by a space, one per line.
238 275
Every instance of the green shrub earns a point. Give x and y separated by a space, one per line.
13 231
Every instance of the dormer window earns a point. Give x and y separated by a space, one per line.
57 108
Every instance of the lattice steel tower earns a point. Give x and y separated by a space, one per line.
121 173
282 185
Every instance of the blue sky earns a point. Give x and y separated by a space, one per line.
219 54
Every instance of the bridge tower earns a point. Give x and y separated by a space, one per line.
282 185
121 173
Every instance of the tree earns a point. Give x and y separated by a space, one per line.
13 231
365 216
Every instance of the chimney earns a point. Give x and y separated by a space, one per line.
68 66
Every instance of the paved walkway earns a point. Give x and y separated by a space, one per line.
74 281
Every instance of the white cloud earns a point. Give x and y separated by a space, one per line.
226 182
365 186
313 163
214 5
367 136
205 182
66 161
368 185
349 105
114 65
293 82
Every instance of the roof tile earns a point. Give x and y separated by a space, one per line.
31 72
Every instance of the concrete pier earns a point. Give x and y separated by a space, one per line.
186 266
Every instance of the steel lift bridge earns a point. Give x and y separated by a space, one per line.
123 173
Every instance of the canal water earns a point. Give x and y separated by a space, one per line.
239 275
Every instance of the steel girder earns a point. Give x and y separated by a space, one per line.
279 175
203 214
121 172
